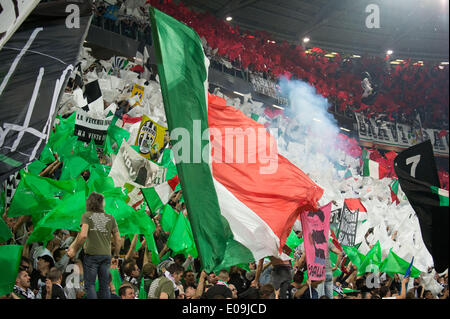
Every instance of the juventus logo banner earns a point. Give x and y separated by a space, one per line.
150 137
35 66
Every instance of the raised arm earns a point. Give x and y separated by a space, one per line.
403 292
255 282
338 259
302 289
201 285
132 247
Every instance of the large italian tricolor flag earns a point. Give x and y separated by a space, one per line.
240 209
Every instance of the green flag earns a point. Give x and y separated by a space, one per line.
89 153
114 137
394 191
67 215
354 255
72 167
5 232
138 242
98 182
142 294
36 195
41 234
168 218
9 262
36 167
181 239
255 117
345 291
292 242
393 264
62 131
144 223
122 213
32 199
62 141
333 259
151 246
168 161
46 156
116 279
372 260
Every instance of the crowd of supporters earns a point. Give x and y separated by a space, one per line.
403 90
47 271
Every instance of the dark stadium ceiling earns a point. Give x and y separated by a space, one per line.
411 28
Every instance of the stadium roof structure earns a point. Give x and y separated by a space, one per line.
417 29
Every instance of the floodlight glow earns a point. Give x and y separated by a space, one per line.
229 18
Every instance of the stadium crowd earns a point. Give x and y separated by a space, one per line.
403 90
57 270
47 272
53 270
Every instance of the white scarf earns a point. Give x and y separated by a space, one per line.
170 277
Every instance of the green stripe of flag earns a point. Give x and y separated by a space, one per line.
394 186
443 195
183 76
9 161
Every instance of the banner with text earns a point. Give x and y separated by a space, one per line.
87 127
347 226
315 227
390 134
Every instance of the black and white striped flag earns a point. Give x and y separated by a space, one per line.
78 80
10 186
93 98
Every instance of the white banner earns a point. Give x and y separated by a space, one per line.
12 15
88 127
390 134
131 167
